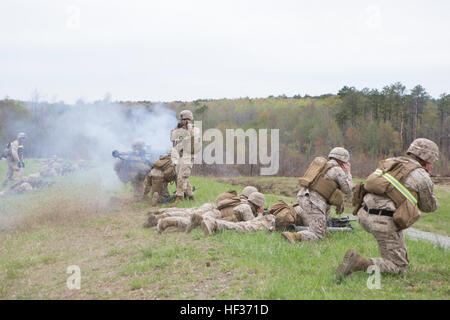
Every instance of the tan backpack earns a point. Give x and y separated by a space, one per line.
314 180
226 207
165 164
226 195
313 171
387 181
284 214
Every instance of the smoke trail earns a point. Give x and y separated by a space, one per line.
92 131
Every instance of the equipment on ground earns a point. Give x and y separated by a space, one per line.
333 225
174 196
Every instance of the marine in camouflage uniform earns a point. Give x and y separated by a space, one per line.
158 186
186 144
185 219
380 223
314 208
134 169
286 214
29 183
14 159
255 206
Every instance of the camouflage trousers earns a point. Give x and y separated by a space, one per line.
156 184
314 218
138 189
207 209
181 217
391 243
266 222
183 171
12 167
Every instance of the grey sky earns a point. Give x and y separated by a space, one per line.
185 50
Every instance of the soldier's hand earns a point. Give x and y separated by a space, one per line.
429 167
346 167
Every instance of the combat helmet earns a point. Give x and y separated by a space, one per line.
186 114
339 153
424 149
138 144
248 190
257 198
21 135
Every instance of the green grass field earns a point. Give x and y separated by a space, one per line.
74 223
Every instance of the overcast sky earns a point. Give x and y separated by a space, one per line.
186 50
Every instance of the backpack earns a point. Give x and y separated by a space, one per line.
165 164
226 207
313 171
284 214
379 183
226 195
314 180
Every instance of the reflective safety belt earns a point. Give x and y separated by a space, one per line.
405 192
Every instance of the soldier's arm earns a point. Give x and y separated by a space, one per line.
426 201
343 179
244 211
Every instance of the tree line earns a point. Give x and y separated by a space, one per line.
372 124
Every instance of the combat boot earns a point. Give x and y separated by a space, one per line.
177 200
163 224
196 220
208 226
292 237
352 262
151 221
191 198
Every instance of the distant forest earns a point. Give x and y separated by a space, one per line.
372 124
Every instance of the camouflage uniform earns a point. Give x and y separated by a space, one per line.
391 242
314 209
25 184
188 218
246 214
134 169
186 144
266 222
158 186
161 214
15 155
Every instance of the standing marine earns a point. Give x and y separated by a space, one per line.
186 142
389 202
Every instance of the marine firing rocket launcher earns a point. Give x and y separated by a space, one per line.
149 157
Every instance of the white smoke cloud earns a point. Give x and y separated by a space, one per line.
92 131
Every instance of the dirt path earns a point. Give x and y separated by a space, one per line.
435 238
